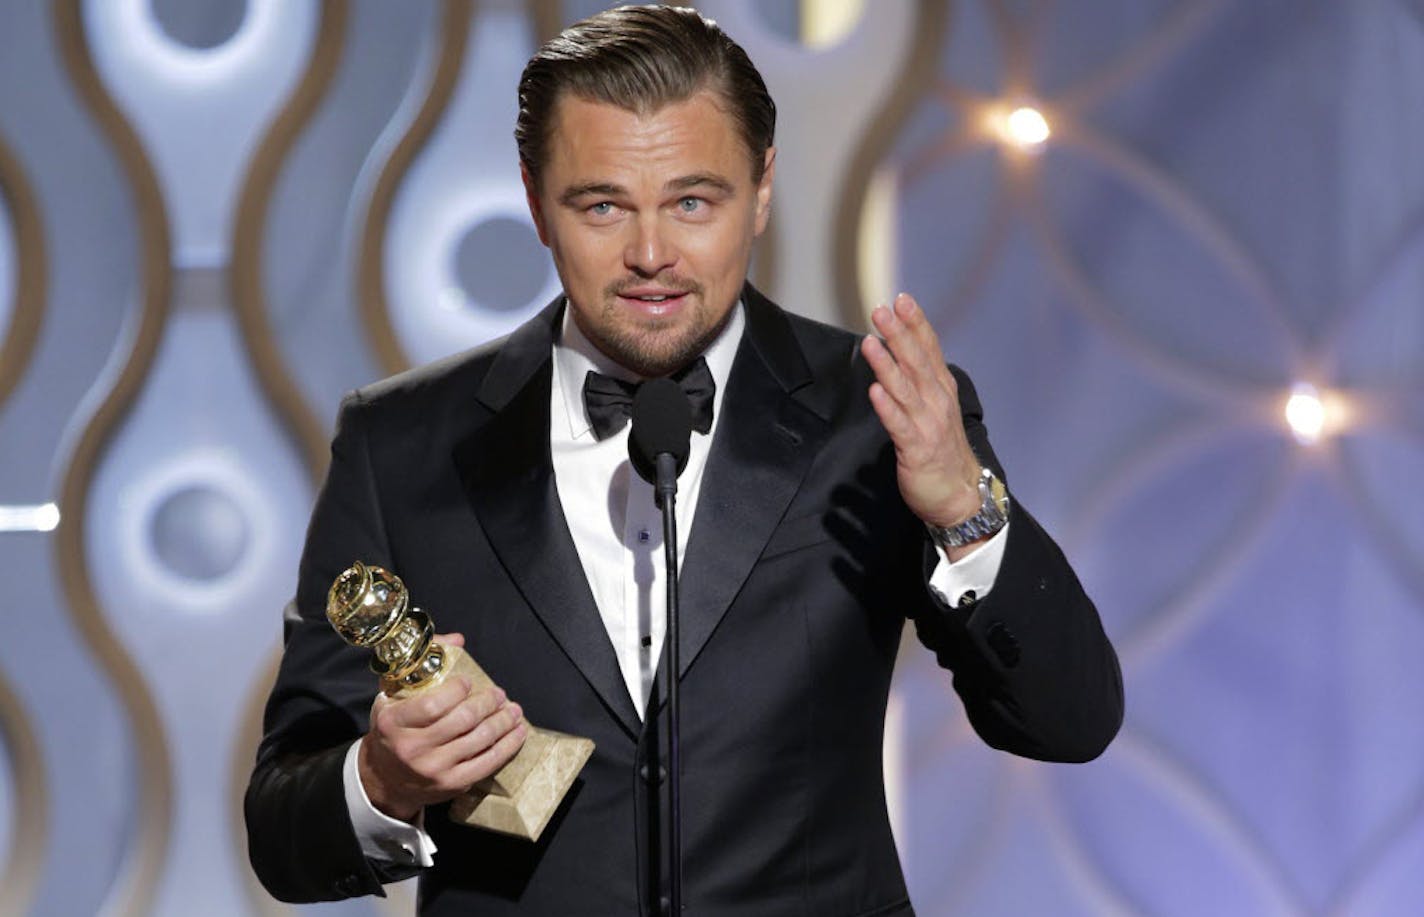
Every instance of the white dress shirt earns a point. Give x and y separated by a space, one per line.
617 531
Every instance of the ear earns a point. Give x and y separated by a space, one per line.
763 192
531 195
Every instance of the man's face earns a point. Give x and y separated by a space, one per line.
650 220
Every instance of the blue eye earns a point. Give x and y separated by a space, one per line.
602 209
689 204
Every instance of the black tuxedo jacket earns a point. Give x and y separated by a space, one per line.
802 565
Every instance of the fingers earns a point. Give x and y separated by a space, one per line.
913 395
888 373
466 716
426 708
893 416
914 345
472 756
487 733
430 706
425 749
917 401
908 311
490 760
910 370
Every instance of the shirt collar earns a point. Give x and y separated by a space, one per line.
575 355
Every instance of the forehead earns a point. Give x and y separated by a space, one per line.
592 140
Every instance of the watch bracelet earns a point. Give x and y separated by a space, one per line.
992 516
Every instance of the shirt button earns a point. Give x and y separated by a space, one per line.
643 535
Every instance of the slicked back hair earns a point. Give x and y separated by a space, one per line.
641 58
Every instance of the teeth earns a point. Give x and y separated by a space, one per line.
652 298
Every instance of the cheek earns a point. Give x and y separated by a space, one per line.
718 248
578 253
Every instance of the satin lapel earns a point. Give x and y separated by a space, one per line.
773 424
508 476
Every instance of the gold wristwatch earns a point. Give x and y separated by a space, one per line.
993 515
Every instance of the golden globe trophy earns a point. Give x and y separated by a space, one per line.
370 607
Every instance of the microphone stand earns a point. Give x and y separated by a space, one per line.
666 495
658 446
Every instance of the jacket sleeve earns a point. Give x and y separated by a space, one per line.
300 840
1036 672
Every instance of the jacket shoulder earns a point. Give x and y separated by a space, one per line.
452 376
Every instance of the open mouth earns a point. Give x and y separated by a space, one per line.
658 302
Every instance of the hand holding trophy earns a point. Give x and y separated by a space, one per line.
370 607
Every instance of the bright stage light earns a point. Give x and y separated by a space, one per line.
1305 413
41 518
1026 127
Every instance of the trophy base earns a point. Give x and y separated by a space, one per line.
557 760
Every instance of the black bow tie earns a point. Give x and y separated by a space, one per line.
609 401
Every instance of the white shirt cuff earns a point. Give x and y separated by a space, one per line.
974 573
383 838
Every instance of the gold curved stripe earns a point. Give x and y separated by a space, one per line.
915 78
259 341
29 837
244 754
30 825
137 882
245 273
371 270
17 344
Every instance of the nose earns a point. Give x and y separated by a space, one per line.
648 251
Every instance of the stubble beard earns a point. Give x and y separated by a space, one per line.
654 347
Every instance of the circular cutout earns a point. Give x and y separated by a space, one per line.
817 24
199 533
500 264
199 24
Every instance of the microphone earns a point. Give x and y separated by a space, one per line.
661 437
658 446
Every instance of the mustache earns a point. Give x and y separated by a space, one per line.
674 282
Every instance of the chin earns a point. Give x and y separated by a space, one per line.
646 360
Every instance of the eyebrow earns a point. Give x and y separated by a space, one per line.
606 189
699 179
600 189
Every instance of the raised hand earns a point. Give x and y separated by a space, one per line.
432 747
917 401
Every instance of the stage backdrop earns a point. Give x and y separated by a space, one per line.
1145 227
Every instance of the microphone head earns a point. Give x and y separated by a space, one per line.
662 423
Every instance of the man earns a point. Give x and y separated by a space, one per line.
837 487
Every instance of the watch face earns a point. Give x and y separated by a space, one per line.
1000 495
